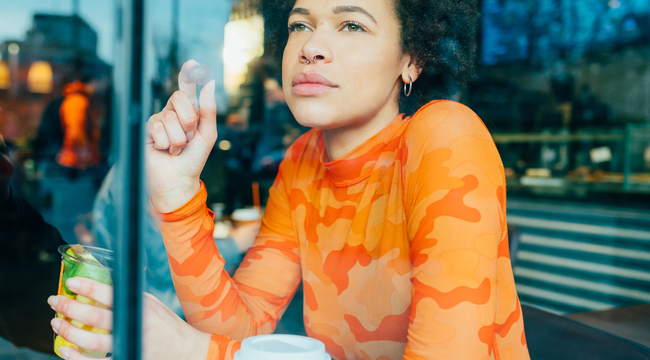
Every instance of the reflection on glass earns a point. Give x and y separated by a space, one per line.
55 122
563 91
243 41
562 87
39 78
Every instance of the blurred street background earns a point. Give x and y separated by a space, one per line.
562 85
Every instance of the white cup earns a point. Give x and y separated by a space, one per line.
246 214
281 347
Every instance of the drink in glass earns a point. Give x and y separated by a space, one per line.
89 262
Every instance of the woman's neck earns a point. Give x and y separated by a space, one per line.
342 140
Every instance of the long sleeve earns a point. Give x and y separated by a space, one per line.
254 299
464 304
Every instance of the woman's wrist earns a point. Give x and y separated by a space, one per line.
174 199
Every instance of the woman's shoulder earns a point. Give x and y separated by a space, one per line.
449 119
451 133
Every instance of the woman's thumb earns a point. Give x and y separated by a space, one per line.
208 109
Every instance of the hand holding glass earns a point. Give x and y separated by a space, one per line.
84 318
78 264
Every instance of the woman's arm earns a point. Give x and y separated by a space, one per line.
254 299
178 142
464 304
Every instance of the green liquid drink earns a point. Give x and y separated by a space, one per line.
89 262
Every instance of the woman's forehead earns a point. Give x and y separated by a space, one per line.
378 7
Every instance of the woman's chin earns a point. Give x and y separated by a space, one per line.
316 124
317 116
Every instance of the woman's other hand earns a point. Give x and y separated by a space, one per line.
178 142
164 334
167 336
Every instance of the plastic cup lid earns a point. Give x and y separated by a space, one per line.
281 347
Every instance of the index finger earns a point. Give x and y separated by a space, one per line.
186 85
92 289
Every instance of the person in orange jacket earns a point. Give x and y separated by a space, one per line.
81 136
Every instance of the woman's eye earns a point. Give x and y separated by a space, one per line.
297 27
353 27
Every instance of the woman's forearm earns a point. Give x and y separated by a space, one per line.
212 301
203 286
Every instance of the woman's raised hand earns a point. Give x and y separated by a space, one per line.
178 142
164 334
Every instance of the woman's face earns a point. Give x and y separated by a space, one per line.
358 65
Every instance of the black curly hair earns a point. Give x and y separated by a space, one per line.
441 34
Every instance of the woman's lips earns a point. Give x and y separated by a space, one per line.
311 89
311 84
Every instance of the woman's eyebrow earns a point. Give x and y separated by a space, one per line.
337 10
354 9
300 11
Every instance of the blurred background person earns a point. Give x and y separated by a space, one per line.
23 231
24 236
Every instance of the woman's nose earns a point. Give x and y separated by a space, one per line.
316 50
313 60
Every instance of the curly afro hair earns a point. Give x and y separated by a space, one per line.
441 34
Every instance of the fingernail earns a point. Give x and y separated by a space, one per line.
53 300
190 135
56 323
65 352
73 284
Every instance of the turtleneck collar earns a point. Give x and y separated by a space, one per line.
357 165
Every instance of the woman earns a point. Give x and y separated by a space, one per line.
395 225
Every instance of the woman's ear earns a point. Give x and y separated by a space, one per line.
411 70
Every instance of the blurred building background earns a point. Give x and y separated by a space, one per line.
562 85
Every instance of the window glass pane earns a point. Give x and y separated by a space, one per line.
56 91
254 123
563 87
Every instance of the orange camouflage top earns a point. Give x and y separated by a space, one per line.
401 246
